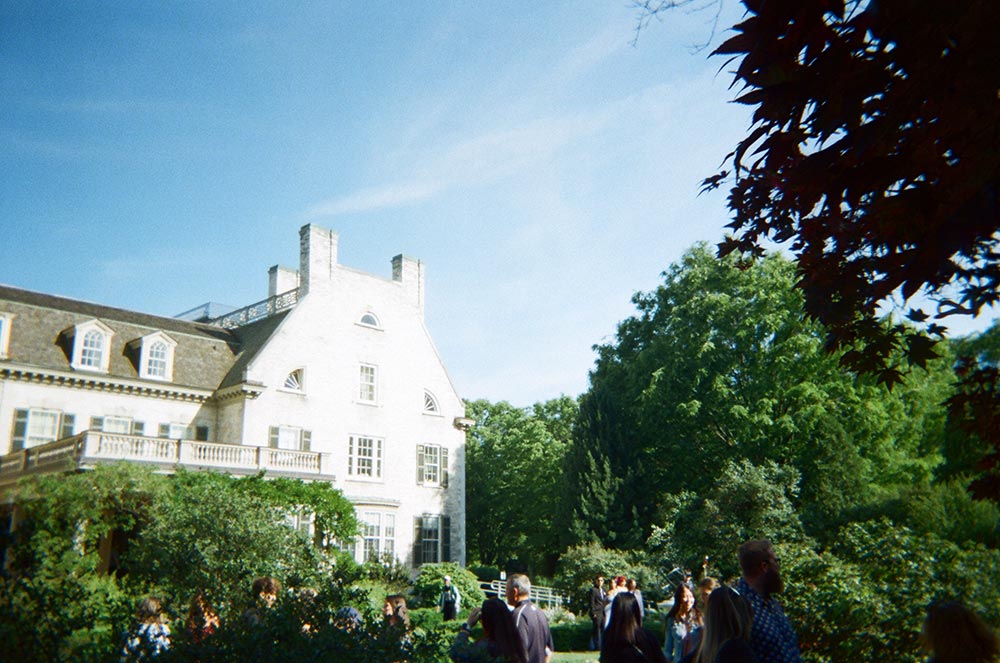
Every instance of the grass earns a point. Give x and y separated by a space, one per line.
575 657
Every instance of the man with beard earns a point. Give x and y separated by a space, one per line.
771 637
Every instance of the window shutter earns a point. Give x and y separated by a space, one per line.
20 430
97 423
378 457
350 454
420 463
272 440
445 538
418 544
201 433
307 440
138 428
68 424
164 430
444 468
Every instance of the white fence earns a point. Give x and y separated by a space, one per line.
543 596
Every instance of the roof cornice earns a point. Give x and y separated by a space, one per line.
99 382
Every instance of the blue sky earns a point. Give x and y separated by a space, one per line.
158 155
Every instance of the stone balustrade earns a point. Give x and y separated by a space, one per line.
93 447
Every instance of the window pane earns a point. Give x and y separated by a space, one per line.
288 438
294 380
367 392
432 463
157 364
121 425
93 349
43 426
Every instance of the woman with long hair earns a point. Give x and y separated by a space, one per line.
202 619
395 612
955 634
683 618
726 635
500 640
625 640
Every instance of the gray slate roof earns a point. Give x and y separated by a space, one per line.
204 358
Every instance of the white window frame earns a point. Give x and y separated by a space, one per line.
146 359
35 415
6 321
365 466
113 421
289 438
368 384
299 376
92 329
431 405
378 536
377 324
176 431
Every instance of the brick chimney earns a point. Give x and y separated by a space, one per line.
281 279
410 273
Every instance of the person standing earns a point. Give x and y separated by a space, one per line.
626 641
633 589
597 612
772 638
450 601
531 623
151 636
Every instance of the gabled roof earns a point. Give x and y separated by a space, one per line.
204 355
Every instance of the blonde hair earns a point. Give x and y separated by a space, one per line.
727 617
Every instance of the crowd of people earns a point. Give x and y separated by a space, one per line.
743 622
740 622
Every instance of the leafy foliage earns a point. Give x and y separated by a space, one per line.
579 565
516 453
430 580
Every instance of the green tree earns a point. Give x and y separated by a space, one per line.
513 463
720 364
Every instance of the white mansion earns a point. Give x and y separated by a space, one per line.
333 377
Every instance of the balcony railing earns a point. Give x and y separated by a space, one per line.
259 311
92 448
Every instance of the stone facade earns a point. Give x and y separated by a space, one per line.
334 378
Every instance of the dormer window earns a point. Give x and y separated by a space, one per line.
91 346
156 356
370 320
430 403
5 322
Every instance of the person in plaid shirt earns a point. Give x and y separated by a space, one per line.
772 637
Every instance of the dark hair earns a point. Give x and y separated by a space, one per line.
679 601
265 585
398 604
752 554
955 634
200 609
626 621
501 631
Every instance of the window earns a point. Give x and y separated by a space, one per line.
430 403
369 320
119 425
303 521
432 465
197 432
431 539
369 375
364 457
156 356
294 381
378 531
5 322
289 437
91 345
33 427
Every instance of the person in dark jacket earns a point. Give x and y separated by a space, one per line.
625 640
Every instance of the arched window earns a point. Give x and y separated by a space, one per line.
92 353
158 355
294 381
430 403
369 320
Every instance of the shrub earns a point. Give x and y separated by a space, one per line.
428 583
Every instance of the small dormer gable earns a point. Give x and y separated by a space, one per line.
155 356
91 345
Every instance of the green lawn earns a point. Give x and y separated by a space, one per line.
575 657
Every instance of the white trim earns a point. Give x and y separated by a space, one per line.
146 346
365 385
376 325
6 322
92 329
376 458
